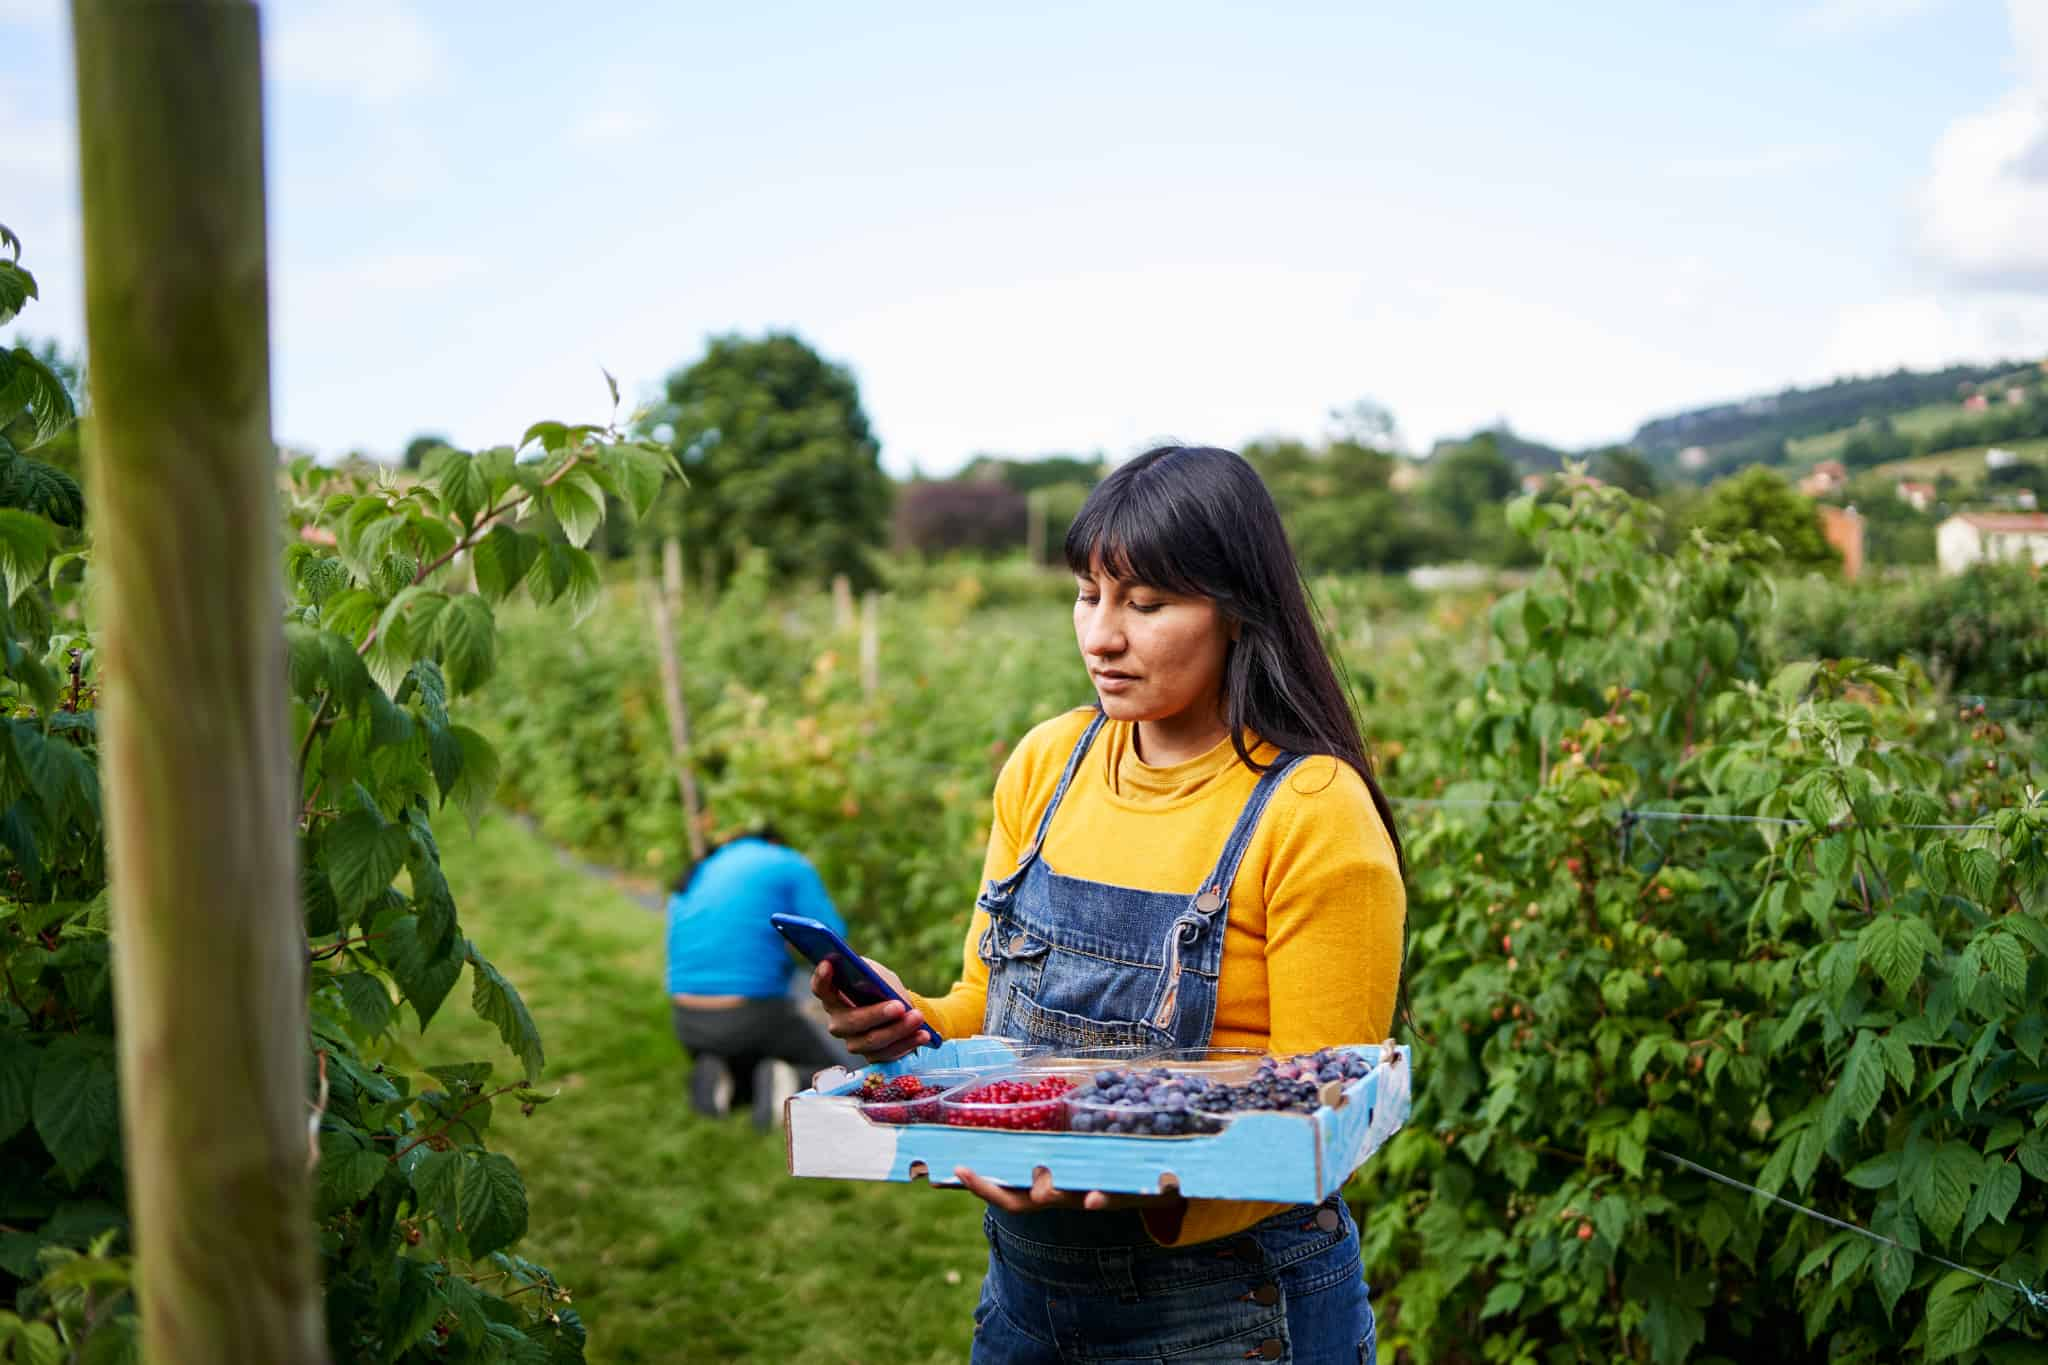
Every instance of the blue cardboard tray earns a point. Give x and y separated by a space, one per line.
1291 1158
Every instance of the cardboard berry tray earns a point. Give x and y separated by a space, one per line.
1290 1157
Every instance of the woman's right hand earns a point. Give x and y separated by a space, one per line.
880 1033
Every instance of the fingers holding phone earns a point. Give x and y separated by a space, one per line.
881 1032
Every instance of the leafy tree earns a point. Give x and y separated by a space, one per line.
1758 504
1043 471
1462 480
1625 469
779 455
1875 443
419 447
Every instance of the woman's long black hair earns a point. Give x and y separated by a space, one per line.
1198 521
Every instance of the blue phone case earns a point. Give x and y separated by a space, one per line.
818 943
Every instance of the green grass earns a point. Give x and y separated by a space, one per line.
1912 423
1966 463
681 1238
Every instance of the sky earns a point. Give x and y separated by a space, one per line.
1084 227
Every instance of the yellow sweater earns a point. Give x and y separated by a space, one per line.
1312 949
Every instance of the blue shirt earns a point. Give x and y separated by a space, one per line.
719 938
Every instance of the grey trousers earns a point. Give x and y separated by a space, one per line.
745 1033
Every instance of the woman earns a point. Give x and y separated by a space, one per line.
1202 858
729 974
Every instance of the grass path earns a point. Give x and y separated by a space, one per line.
682 1239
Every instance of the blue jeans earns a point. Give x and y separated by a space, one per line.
1289 1288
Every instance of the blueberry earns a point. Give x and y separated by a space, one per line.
1175 1103
1162 1124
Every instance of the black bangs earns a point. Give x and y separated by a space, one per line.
1147 526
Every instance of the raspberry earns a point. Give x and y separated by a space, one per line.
1021 1105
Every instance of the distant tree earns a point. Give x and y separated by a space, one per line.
1040 471
1625 469
1462 480
1366 423
983 515
1875 443
1760 500
779 456
417 449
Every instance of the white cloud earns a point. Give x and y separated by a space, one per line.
1983 211
1790 156
612 125
1835 17
1927 331
373 51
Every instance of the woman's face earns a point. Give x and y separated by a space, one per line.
1154 656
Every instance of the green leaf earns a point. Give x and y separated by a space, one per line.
1977 870
410 1311
501 560
496 1002
362 854
1791 681
467 638
471 1326
464 488
1994 1197
1862 1082
492 1202
1941 1189
25 544
637 472
40 1345
1958 1315
476 780
2033 1154
1878 1173
17 287
436 1182
18 1058
390 723
367 999
347 1175
77 1105
424 977
578 504
26 382
1504 1297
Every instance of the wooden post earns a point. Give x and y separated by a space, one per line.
665 607
870 644
842 603
195 753
1034 526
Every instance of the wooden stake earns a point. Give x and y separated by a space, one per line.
870 644
665 607
195 753
842 603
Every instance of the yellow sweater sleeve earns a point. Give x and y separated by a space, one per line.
1335 906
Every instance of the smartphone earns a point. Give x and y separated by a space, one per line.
851 975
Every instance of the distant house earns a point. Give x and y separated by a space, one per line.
1976 402
1842 527
1695 457
1971 537
1827 477
2015 397
1918 496
1995 458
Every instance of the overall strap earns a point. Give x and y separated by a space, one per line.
1214 895
1081 746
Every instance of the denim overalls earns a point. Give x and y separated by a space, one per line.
1080 964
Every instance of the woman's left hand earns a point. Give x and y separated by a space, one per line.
1042 1195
